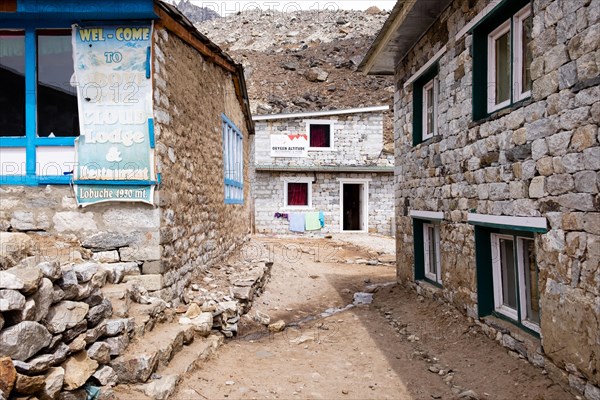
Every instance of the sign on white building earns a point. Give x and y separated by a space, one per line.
295 145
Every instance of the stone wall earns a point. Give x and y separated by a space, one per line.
357 140
113 231
197 227
269 199
540 158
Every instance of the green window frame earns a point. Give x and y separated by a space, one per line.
427 251
502 35
427 80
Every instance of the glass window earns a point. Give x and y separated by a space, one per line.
507 265
502 68
429 109
12 76
431 242
320 135
297 194
56 99
526 54
233 161
531 309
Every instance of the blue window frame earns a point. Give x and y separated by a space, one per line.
233 162
34 146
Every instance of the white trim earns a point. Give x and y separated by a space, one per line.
331 123
488 9
437 277
308 181
517 45
320 113
497 277
522 286
527 222
432 84
501 30
430 215
425 67
365 203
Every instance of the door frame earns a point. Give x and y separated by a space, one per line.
365 205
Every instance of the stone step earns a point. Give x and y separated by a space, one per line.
147 352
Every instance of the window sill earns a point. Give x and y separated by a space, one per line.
501 112
321 149
434 139
505 325
298 208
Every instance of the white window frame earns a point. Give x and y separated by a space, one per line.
497 278
308 181
426 241
233 162
432 84
365 205
522 287
519 17
331 124
513 26
491 92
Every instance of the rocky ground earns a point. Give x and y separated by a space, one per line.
402 346
305 60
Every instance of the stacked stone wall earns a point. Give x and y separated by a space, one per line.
197 227
539 158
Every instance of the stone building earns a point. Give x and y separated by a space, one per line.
497 177
137 151
329 162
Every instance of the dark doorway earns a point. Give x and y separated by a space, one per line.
352 207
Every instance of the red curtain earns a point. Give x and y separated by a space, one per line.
297 194
319 136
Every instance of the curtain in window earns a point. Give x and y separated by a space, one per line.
297 194
319 136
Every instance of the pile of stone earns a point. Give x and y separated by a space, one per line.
219 300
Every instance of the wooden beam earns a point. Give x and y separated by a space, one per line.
170 24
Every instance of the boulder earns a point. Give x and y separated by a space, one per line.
23 340
316 75
50 270
66 315
277 326
203 323
29 384
14 246
25 280
106 376
244 293
78 369
99 312
43 299
134 368
117 344
161 389
85 271
54 380
117 326
193 311
11 300
100 352
262 318
8 375
109 241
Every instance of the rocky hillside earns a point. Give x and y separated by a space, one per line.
195 13
305 60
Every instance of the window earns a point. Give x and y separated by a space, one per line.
431 252
298 193
502 58
233 161
425 99
38 106
515 276
320 134
427 249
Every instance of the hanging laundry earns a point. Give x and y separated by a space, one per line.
322 219
297 221
312 221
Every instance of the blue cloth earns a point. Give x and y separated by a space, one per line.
296 222
322 219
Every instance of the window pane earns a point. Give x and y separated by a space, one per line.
12 83
320 135
297 194
507 264
503 68
430 106
531 281
432 267
56 98
526 54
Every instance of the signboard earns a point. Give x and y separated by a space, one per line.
115 152
289 145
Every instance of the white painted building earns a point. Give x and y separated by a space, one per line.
324 163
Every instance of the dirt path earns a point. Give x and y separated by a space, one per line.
386 350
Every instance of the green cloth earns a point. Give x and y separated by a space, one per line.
312 221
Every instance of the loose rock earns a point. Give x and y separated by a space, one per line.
23 340
8 375
78 369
